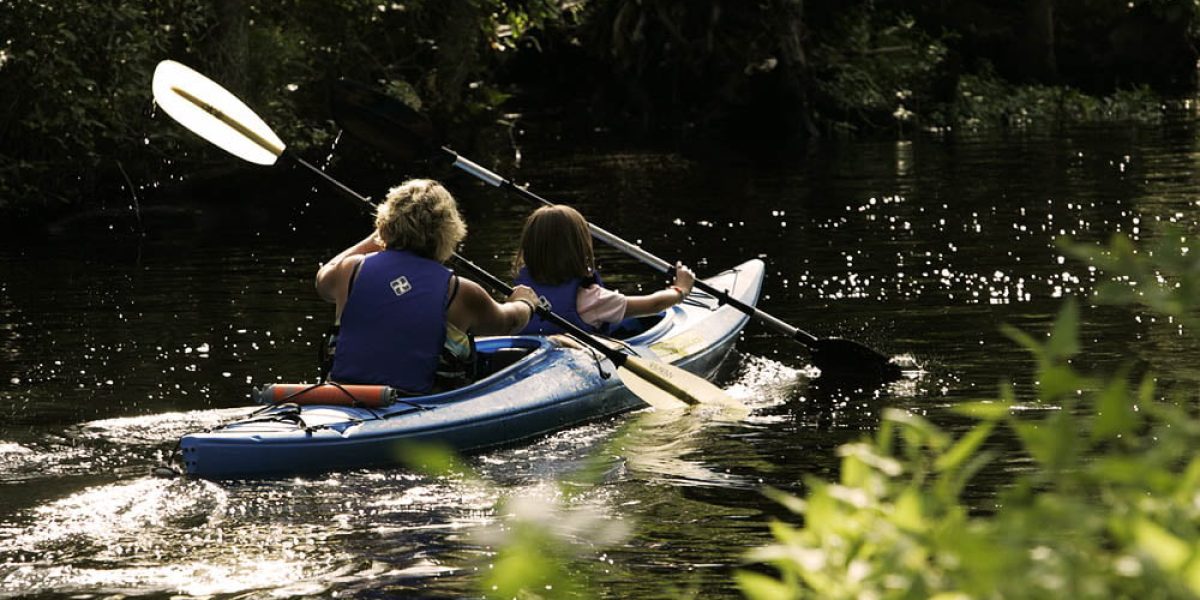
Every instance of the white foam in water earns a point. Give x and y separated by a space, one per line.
7 448
107 516
154 429
120 527
763 383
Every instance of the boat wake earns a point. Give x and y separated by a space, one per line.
128 446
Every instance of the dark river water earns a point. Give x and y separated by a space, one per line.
129 327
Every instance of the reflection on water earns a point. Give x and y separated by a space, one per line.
113 347
666 448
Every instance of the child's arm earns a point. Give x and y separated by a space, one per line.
649 304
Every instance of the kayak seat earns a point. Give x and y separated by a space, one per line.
491 362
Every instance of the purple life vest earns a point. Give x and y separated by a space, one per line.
394 323
562 300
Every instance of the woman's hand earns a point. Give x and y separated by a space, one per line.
524 295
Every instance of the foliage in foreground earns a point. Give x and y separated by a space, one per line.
1110 509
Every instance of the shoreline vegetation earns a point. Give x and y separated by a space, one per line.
78 121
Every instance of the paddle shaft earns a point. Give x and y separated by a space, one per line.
633 250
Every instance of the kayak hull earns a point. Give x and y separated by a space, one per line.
548 389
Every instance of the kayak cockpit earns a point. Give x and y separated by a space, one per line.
495 354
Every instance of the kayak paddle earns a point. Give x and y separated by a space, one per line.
213 113
404 134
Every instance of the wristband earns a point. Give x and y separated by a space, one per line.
532 308
679 290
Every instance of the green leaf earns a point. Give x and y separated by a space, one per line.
1057 382
964 448
926 431
1170 552
1186 486
868 456
788 501
1064 338
757 586
1116 415
1042 441
908 513
784 532
431 458
984 410
1191 576
1120 470
1145 392
1024 339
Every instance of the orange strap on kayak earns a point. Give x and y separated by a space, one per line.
369 396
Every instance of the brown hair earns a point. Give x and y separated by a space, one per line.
556 245
421 216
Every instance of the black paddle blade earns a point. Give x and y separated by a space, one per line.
845 359
383 122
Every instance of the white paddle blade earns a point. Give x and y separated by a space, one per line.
211 112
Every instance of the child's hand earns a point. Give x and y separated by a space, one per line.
684 278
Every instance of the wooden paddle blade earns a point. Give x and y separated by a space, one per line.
383 122
674 381
651 394
211 112
847 359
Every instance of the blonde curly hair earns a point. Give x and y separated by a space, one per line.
421 216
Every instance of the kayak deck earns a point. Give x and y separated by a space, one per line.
532 387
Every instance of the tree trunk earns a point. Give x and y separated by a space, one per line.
229 45
1042 65
458 38
795 72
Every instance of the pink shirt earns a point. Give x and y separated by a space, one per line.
597 305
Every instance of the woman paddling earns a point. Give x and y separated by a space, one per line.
556 259
403 317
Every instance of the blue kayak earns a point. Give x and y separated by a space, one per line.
531 386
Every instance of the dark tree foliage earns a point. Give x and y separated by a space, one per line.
75 89
784 68
1095 45
76 114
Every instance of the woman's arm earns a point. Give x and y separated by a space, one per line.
474 310
333 276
